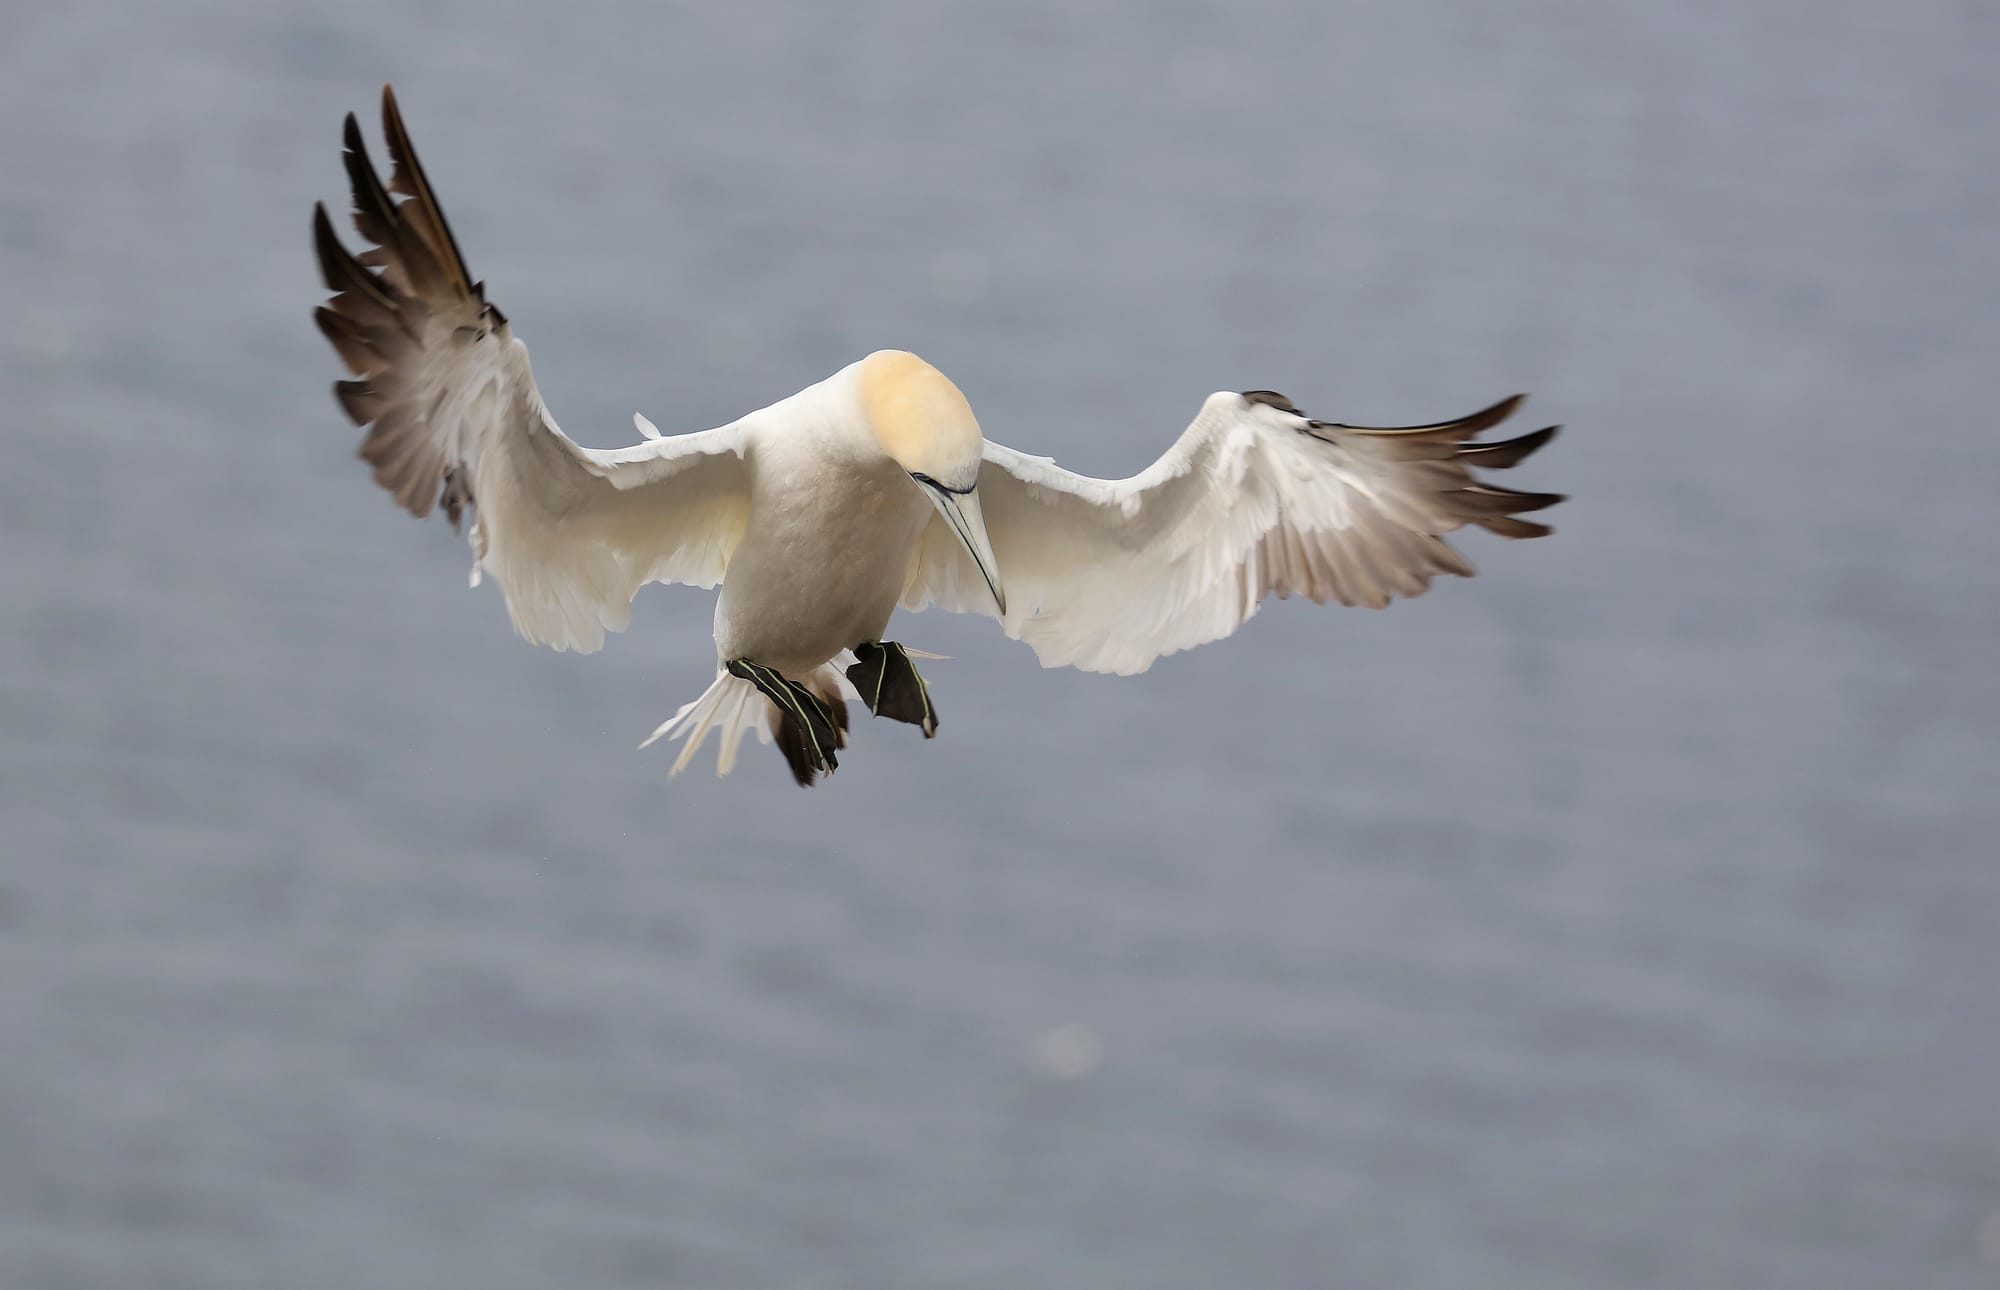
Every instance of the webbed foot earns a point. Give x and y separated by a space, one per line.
890 686
809 728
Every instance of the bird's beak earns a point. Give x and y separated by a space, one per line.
961 511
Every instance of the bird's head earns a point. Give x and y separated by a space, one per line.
926 427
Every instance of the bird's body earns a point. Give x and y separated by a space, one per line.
822 513
832 522
818 571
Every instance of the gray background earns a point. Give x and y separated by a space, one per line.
1625 917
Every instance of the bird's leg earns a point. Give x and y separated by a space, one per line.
890 686
808 731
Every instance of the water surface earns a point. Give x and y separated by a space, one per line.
1623 917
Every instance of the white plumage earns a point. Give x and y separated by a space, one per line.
1109 575
819 514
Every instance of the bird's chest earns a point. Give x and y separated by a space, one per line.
822 562
834 524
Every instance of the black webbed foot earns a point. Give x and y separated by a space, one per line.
808 729
890 686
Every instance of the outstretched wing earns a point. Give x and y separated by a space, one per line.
569 533
1254 498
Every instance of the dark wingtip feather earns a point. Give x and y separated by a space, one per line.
1509 527
359 400
406 254
336 267
348 340
325 246
1493 416
1465 427
1506 453
408 177
374 210
1485 499
342 272
376 322
360 169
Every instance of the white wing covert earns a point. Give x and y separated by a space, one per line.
1254 498
570 533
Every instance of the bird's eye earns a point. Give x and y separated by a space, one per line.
928 482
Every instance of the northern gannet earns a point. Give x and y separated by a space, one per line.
874 488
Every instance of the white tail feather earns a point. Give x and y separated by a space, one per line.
743 714
729 702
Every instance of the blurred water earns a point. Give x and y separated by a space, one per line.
1622 917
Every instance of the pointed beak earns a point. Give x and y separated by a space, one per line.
961 511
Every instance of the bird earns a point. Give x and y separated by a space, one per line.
873 489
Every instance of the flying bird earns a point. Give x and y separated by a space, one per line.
821 514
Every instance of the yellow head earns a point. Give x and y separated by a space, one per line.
925 426
920 419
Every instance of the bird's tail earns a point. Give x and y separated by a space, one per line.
733 705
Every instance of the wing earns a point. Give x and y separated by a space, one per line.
1254 498
454 419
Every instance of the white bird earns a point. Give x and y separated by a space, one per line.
874 488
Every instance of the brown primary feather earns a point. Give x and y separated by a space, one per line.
1509 527
362 296
1483 499
359 400
403 253
1484 419
408 178
349 340
1507 453
1441 456
379 320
